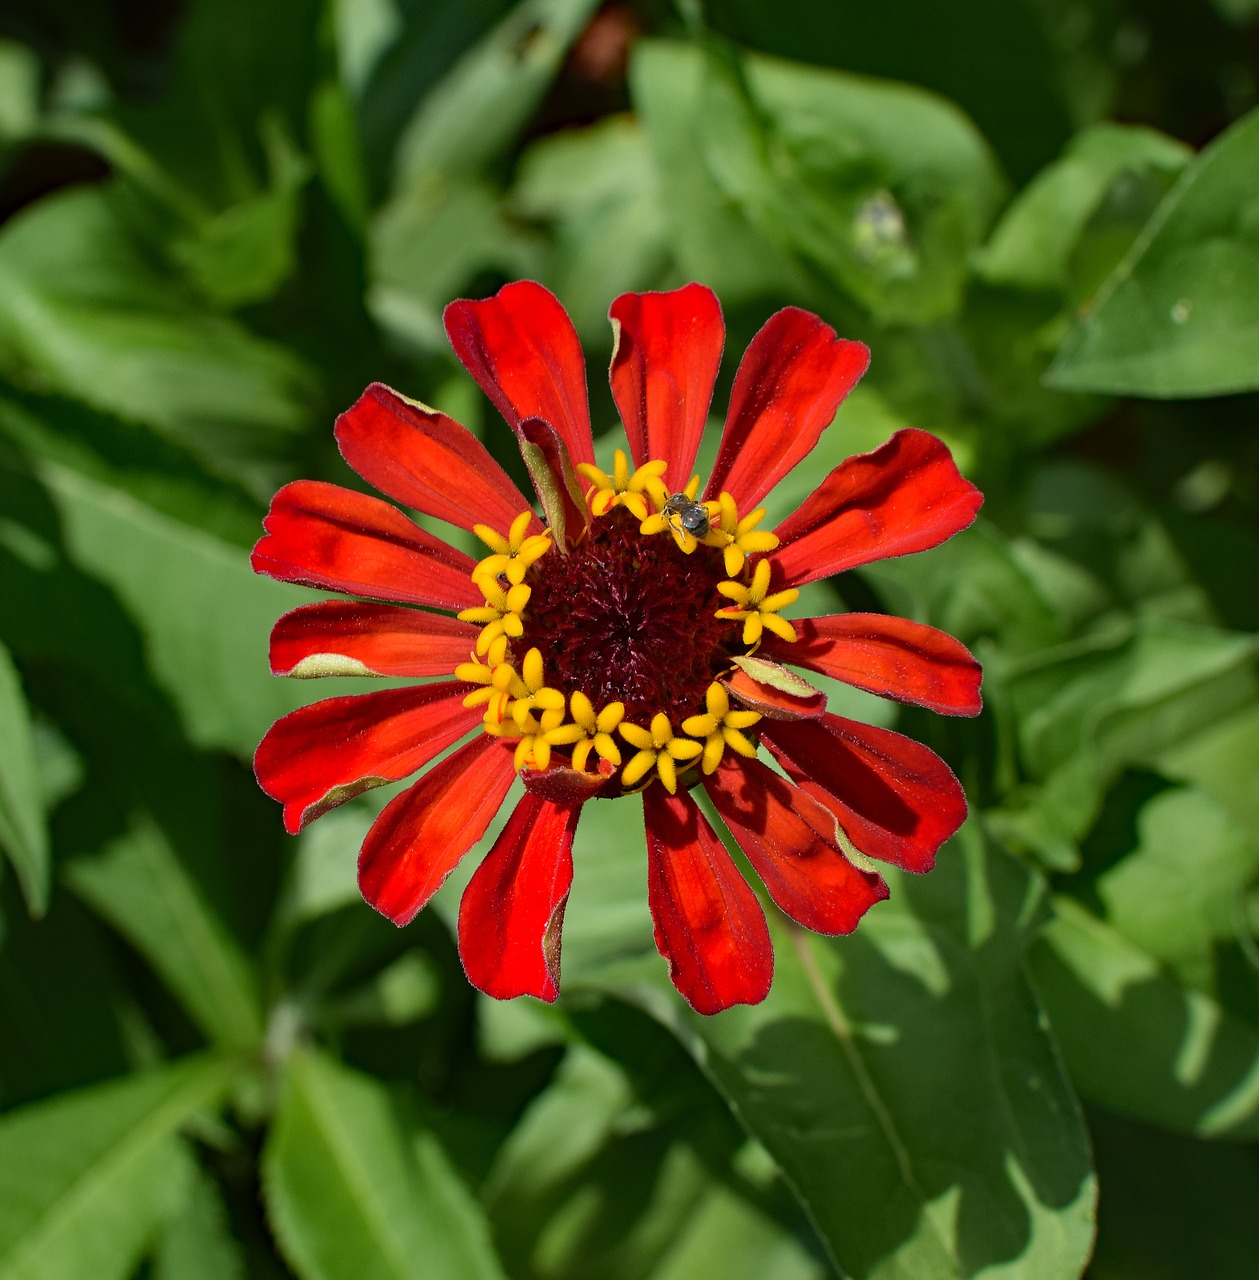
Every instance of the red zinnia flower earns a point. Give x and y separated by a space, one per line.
631 644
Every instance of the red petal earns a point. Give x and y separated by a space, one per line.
320 756
664 364
423 833
522 348
513 908
892 657
790 382
386 639
895 799
322 535
425 460
805 873
906 495
709 924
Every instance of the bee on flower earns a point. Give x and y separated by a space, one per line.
624 637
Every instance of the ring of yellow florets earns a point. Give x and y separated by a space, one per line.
508 667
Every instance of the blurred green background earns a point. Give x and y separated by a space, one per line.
220 220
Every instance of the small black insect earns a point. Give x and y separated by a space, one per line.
685 513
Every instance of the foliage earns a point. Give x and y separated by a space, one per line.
218 226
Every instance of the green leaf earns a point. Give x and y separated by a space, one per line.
1221 761
350 1198
855 1069
246 252
426 243
486 99
1032 245
881 189
1128 692
86 1177
1180 315
23 827
197 1242
204 613
138 884
1177 894
1137 1041
83 313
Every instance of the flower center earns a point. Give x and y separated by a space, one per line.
630 619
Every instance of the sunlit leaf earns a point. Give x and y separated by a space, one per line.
349 1197
853 1072
1136 1040
1180 314
86 1177
84 314
1032 245
23 829
138 884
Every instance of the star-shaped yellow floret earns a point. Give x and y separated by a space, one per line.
500 616
658 749
499 684
513 554
598 728
757 609
745 538
720 727
534 713
622 488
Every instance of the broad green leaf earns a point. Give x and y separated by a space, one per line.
23 827
86 1177
881 189
487 97
84 314
1032 245
1180 315
1128 693
855 1069
205 615
608 1168
247 251
1177 894
726 1236
350 1197
426 243
19 92
139 885
710 236
1137 1041
196 1242
1221 761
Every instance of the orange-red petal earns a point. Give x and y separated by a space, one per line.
895 799
522 348
805 873
423 833
664 366
387 639
792 378
893 657
906 495
513 908
709 925
425 460
322 535
319 756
